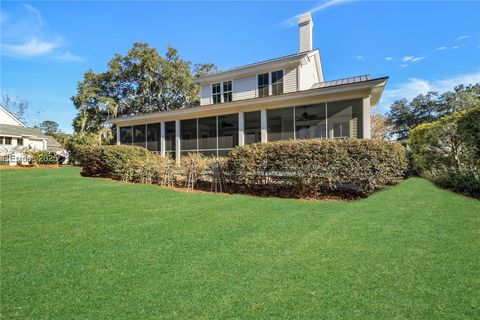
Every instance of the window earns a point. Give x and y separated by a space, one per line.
207 133
263 85
170 138
216 94
227 91
153 136
8 140
188 134
126 135
228 131
310 121
345 119
253 131
277 82
280 124
19 142
139 138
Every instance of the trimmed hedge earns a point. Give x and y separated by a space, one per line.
109 160
309 167
447 151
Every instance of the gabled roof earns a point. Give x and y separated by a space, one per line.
12 116
295 58
18 131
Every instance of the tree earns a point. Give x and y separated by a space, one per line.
404 116
140 82
380 128
15 105
49 127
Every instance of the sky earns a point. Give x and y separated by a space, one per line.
47 46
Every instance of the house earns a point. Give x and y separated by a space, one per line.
278 99
15 137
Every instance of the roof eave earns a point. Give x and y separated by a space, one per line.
375 86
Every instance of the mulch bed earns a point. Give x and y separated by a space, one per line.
30 166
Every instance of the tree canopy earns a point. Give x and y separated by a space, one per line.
49 127
405 115
140 82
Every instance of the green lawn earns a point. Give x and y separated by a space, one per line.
83 248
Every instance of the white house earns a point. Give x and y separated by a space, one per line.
277 99
15 137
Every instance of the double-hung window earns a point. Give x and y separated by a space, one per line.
277 82
216 93
227 91
263 85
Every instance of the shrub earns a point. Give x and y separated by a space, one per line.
447 151
193 165
43 157
112 160
307 167
76 142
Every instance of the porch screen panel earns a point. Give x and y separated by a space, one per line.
280 124
139 138
188 135
252 131
170 139
227 131
310 121
153 137
126 135
207 134
344 119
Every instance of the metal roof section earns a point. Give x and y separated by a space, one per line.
339 82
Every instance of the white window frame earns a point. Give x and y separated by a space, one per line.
211 92
223 92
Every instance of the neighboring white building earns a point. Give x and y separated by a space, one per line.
15 137
278 99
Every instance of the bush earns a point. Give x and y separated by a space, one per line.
307 167
113 161
43 157
76 142
193 166
447 151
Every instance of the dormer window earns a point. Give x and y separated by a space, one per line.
263 85
277 82
227 91
216 93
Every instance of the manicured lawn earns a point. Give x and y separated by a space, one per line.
82 248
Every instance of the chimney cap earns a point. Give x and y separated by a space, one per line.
305 18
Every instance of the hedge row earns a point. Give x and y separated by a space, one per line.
309 167
109 160
302 168
448 151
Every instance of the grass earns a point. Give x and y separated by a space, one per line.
83 248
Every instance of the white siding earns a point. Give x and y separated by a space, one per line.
308 75
290 80
244 88
205 95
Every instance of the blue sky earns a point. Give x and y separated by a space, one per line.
47 46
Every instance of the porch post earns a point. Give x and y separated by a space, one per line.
118 134
241 129
263 125
162 138
366 118
177 142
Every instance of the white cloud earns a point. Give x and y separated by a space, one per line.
441 48
463 37
389 58
407 58
31 48
455 47
26 36
416 86
360 58
417 59
292 21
